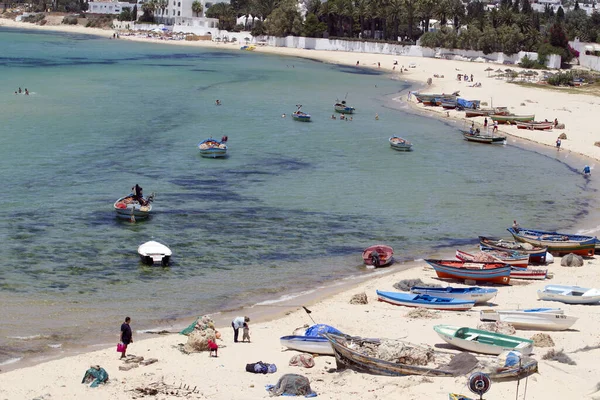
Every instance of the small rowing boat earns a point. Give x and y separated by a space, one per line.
480 341
342 107
479 138
569 294
537 254
129 206
424 301
536 125
378 255
540 319
211 148
512 118
491 272
154 252
476 294
514 259
307 344
397 143
557 243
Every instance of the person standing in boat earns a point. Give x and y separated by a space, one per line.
516 226
224 139
138 194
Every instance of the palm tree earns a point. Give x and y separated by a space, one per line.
426 10
361 13
457 13
197 8
394 10
410 6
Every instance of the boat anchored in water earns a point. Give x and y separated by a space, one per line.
343 107
154 253
211 148
134 206
397 143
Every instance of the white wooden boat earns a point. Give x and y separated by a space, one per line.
308 344
211 148
476 294
569 294
485 342
127 206
536 319
154 253
492 315
397 143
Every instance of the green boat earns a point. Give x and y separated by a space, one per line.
485 342
512 118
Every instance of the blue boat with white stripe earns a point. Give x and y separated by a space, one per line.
476 294
425 301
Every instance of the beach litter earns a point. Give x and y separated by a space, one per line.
359 298
542 340
559 356
302 360
161 388
96 375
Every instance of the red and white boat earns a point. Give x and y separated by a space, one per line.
491 272
528 273
517 271
378 255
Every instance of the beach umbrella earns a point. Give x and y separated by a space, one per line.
488 69
499 71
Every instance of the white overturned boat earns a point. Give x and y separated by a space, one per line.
569 294
476 294
308 344
154 253
540 319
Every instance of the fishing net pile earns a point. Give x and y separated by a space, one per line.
542 340
498 327
291 385
422 313
396 351
359 298
483 257
199 333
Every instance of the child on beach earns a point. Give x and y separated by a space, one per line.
558 144
246 334
212 347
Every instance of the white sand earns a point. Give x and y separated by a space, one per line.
225 377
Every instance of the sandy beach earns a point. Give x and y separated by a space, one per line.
198 376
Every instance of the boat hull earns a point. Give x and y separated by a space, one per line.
496 255
557 243
569 294
125 207
534 125
399 144
424 301
484 139
344 109
478 295
511 119
154 253
536 255
307 344
386 254
498 273
213 153
485 342
528 273
492 315
537 321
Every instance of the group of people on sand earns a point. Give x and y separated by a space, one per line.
126 335
21 91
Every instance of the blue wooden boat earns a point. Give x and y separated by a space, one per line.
301 116
476 294
211 148
491 272
425 301
557 243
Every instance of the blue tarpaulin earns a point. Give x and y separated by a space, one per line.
467 103
317 330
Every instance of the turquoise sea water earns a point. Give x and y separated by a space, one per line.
291 208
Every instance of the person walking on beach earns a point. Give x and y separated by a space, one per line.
126 336
485 123
495 127
238 323
558 144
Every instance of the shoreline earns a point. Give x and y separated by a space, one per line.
281 318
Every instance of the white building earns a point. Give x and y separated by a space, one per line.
179 14
108 7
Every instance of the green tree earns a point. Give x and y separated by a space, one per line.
125 14
197 8
313 27
488 42
426 9
224 13
148 9
258 29
560 14
510 38
134 13
285 20
457 13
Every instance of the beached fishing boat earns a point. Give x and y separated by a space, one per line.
512 258
454 396
361 354
211 148
448 104
536 319
428 97
557 243
342 107
569 294
493 316
536 125
528 273
307 344
480 341
469 113
301 116
479 138
127 206
397 143
425 301
511 118
378 255
154 253
537 254
476 294
491 272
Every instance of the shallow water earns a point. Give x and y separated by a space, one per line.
291 208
